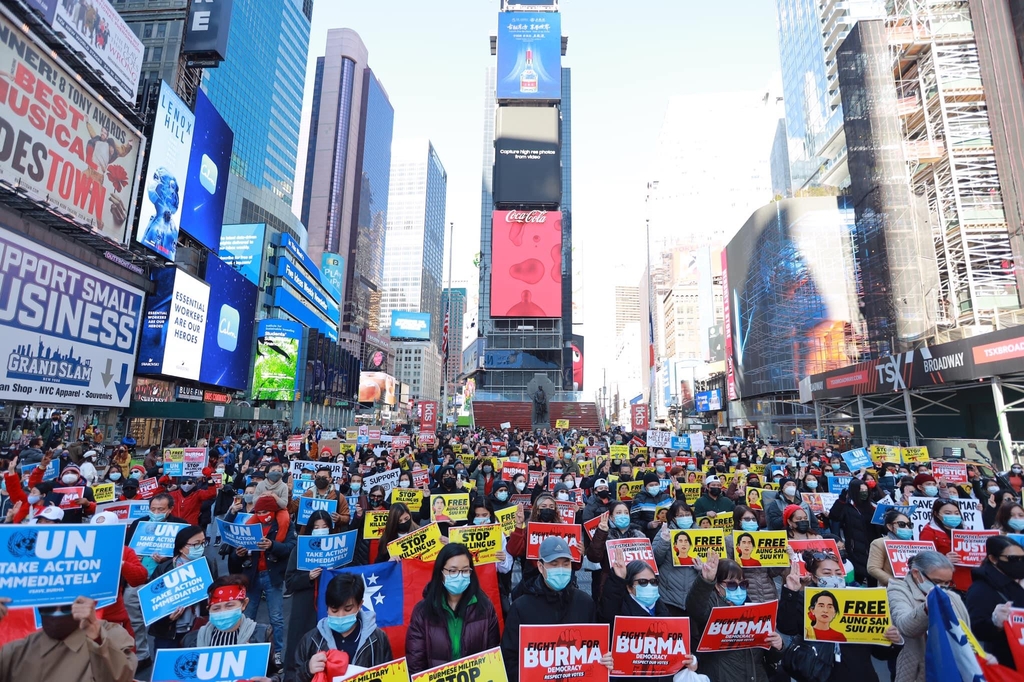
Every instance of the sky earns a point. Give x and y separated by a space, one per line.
626 63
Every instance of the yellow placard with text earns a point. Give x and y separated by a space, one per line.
487 665
723 521
457 448
423 542
627 490
483 542
410 497
695 542
175 457
449 508
619 451
467 458
760 548
914 455
752 498
586 467
691 491
346 448
640 451
103 492
395 671
507 518
561 423
884 453
373 524
847 615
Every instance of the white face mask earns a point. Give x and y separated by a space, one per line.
403 484
789 490
69 478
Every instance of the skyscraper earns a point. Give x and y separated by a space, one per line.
414 250
456 324
627 306
348 172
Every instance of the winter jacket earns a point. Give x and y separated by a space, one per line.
374 647
330 494
643 509
857 535
990 588
189 505
674 582
773 511
281 491
762 580
276 556
540 605
427 643
879 567
595 507
706 503
740 665
133 574
617 601
944 545
907 604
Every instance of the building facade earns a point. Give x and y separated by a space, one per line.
457 321
418 364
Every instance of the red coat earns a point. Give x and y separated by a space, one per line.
944 545
16 493
189 506
133 574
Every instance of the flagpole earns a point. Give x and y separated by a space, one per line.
447 321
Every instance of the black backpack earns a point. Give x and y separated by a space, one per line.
809 661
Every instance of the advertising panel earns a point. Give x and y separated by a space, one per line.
206 33
82 350
526 264
73 154
95 29
577 362
332 268
152 391
175 328
298 309
638 417
529 55
407 324
277 360
527 157
311 290
206 188
428 415
708 401
241 247
376 387
229 327
801 318
166 172
519 359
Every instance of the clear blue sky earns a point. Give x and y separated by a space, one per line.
627 60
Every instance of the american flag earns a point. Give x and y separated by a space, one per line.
444 337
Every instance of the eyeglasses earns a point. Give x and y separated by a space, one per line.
825 556
939 583
376 498
1012 559
453 572
644 582
903 524
198 545
734 584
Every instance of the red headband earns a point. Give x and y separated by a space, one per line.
227 593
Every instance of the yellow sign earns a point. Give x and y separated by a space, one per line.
346 449
756 468
691 491
487 665
352 435
884 453
483 542
586 467
561 423
457 448
425 542
694 542
449 508
507 518
753 498
723 521
627 490
410 497
760 548
175 457
850 615
373 524
640 451
467 458
913 455
103 492
395 671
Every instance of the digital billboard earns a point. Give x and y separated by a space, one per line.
92 184
67 332
529 55
241 247
332 267
406 324
206 188
527 158
377 387
577 362
526 264
792 301
708 401
206 33
308 288
175 326
166 172
95 29
278 345
229 327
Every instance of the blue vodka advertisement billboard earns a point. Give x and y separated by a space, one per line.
529 56
230 326
206 188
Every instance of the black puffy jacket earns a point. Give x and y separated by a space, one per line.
990 588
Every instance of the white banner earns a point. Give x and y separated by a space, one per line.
385 479
659 439
970 510
94 28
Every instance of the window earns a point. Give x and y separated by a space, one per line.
147 31
161 30
158 54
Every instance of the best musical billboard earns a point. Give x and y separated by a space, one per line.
527 158
241 247
206 188
95 29
529 55
406 324
65 149
166 172
175 326
526 264
278 345
229 327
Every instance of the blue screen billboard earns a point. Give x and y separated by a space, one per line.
206 189
410 325
708 401
230 325
241 247
332 267
529 55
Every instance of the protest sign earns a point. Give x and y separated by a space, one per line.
695 543
820 503
338 469
155 538
393 671
553 653
127 511
627 490
373 524
301 485
243 535
325 551
449 508
70 497
293 446
523 500
818 545
567 511
950 472
619 451
900 551
857 459
878 518
753 498
591 525
507 518
691 491
308 505
148 487
537 532
561 423
410 497
212 664
385 479
848 615
914 455
420 478
52 565
181 586
633 549
723 521
486 666
837 484
659 439
739 627
760 548
970 510
423 542
174 461
969 546
647 647
1014 628
586 467
103 492
194 462
483 542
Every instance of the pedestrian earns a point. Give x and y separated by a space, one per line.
995 590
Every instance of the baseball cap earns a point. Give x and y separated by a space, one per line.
712 479
554 548
51 514
600 483
105 518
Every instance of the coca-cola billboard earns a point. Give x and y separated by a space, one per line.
639 414
526 264
428 416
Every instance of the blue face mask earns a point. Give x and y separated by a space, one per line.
811 485
341 624
355 487
691 467
480 520
905 533
501 495
558 578
931 490
513 458
647 595
621 521
684 522
951 520
736 597
225 620
733 460
158 518
456 584
1017 524
318 532
196 553
748 525
660 468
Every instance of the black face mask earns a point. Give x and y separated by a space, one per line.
1014 569
59 627
714 492
404 526
447 482
803 526
321 483
604 495
546 515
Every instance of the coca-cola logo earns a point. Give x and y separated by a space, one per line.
526 217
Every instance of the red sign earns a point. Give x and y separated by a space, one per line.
294 445
950 472
428 416
591 525
739 627
648 647
593 452
510 469
374 434
552 653
148 487
524 500
536 533
1014 627
400 441
640 416
497 445
969 546
567 511
426 438
534 478
526 264
71 497
900 551
215 397
823 545
633 549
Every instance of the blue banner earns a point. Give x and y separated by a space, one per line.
155 538
529 55
326 551
48 475
878 518
300 486
241 247
244 535
182 586
53 565
680 443
311 290
212 664
837 484
857 459
308 505
385 591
